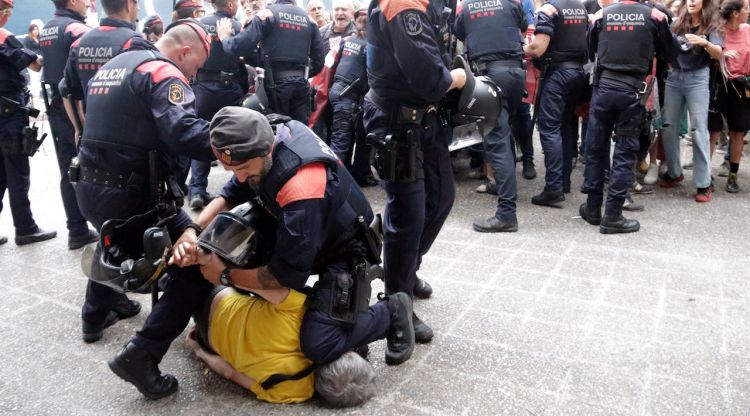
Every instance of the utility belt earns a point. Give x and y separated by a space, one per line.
345 295
402 114
348 89
225 78
29 141
9 106
281 74
638 84
131 182
483 68
556 66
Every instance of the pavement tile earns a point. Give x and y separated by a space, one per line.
510 278
635 274
605 386
739 372
534 262
702 285
471 273
693 333
631 322
694 307
579 408
506 300
541 371
584 269
621 350
738 403
561 341
490 327
671 397
562 310
631 297
686 362
586 290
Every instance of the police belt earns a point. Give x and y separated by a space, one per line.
220 76
288 73
484 67
111 179
565 65
406 114
638 84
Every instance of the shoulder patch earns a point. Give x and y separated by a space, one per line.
413 23
308 183
161 70
4 35
176 93
391 8
77 29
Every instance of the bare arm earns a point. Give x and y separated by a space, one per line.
218 364
36 66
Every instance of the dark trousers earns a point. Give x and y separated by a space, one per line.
415 211
498 144
65 149
523 130
210 97
346 131
14 176
614 107
556 105
293 96
323 339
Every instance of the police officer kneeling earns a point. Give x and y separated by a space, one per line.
323 229
623 39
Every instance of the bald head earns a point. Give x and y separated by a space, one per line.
186 46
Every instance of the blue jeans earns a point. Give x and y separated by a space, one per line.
687 88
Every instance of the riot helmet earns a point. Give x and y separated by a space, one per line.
243 237
479 102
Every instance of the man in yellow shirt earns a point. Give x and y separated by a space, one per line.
257 345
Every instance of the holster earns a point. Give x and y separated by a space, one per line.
31 141
347 295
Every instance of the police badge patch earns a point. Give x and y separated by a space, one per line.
176 94
413 23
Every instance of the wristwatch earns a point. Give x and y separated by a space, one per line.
225 278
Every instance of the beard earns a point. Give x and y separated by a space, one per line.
256 182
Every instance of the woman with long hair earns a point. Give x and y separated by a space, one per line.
31 41
697 26
733 97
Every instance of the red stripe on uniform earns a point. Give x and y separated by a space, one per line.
160 71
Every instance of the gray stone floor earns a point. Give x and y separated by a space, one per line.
556 319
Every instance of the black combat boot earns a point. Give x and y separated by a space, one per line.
618 225
94 332
422 333
592 216
138 367
422 289
401 332
548 199
126 308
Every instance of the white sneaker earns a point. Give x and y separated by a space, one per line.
652 176
662 169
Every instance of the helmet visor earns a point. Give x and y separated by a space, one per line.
229 237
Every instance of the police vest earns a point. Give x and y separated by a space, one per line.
219 60
569 41
290 37
12 82
97 47
123 124
302 148
353 61
54 47
492 28
626 43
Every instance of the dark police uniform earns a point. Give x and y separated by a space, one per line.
350 78
494 32
56 39
218 84
140 102
564 80
316 201
87 55
623 39
292 45
14 164
94 49
406 71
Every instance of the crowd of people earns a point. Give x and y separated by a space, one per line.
134 114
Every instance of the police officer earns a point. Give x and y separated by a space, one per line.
115 33
291 52
14 120
222 81
153 28
56 39
345 96
300 181
408 77
140 113
560 43
494 31
623 40
188 9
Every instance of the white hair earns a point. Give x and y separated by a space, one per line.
349 381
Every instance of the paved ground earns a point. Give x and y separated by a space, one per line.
556 319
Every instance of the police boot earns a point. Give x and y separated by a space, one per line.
422 333
3 239
549 199
35 237
592 216
400 335
529 171
138 367
94 332
495 225
618 225
422 289
77 241
126 308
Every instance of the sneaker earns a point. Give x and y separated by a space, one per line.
724 169
632 206
704 195
670 182
529 171
35 237
652 174
732 186
640 189
489 187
